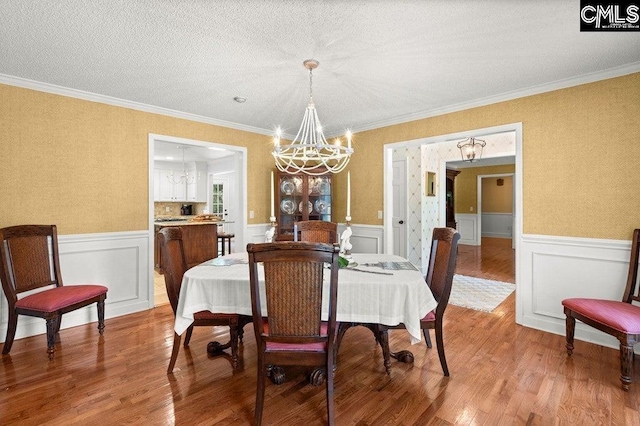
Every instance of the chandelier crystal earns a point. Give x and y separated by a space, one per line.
471 149
185 177
310 152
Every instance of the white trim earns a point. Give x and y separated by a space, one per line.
109 100
533 90
516 94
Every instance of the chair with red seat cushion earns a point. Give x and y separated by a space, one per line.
30 261
292 331
620 319
439 278
174 265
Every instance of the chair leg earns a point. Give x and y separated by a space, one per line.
626 365
174 352
329 384
260 390
427 337
440 345
101 316
571 327
53 324
233 333
11 331
382 337
187 337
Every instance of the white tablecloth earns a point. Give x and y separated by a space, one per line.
362 297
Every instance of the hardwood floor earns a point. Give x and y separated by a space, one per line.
494 259
501 374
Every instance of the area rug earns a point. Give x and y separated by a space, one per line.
478 293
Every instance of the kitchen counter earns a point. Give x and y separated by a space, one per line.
199 238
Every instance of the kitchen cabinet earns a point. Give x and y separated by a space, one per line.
165 190
301 197
197 191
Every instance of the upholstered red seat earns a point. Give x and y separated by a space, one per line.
620 319
60 297
431 316
303 347
620 316
32 282
206 315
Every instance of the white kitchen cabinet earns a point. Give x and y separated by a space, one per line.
165 190
197 191
168 191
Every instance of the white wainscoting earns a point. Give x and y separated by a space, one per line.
555 268
118 260
467 226
497 225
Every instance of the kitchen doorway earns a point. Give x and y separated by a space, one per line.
220 159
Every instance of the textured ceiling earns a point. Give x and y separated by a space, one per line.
380 61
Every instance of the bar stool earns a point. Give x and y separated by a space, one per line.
222 237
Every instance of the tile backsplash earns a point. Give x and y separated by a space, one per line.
173 209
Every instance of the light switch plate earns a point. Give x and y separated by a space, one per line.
379 214
251 214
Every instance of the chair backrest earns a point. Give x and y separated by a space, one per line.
293 282
442 265
29 259
632 292
316 231
174 264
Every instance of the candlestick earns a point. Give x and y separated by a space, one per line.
349 193
272 197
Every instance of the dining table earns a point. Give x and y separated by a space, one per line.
373 289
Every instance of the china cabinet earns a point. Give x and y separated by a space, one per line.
450 195
301 197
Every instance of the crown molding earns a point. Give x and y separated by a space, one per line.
507 96
108 100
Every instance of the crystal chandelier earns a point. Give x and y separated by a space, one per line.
185 177
310 152
471 149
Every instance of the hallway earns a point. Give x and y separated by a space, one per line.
493 260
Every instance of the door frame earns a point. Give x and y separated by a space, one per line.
479 204
518 188
240 153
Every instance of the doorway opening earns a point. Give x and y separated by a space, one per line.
227 162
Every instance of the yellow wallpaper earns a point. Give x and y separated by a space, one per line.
83 165
466 187
577 144
496 197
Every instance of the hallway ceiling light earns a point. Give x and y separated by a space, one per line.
310 152
471 149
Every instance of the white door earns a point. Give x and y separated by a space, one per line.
219 202
399 217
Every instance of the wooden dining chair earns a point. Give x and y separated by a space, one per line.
30 262
292 331
439 278
174 265
620 319
316 231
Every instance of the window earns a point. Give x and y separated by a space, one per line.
217 199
